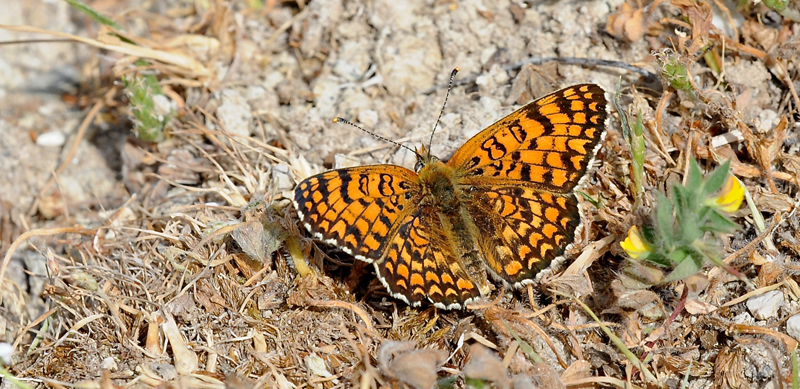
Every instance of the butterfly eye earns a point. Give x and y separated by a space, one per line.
420 164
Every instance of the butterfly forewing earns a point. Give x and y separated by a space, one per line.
546 144
357 208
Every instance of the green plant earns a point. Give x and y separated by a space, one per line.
634 135
142 91
687 225
674 71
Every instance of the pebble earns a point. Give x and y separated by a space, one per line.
51 139
282 176
109 364
164 106
793 327
6 350
234 113
342 161
368 117
765 306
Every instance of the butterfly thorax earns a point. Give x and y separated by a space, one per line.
438 182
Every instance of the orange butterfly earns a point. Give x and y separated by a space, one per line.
504 203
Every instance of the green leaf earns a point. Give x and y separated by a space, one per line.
93 14
795 371
716 178
623 118
695 178
597 203
664 219
657 258
720 223
687 267
681 203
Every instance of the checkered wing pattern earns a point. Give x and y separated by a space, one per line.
547 144
357 209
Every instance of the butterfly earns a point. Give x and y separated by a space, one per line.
502 206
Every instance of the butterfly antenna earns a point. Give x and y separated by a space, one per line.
449 87
345 121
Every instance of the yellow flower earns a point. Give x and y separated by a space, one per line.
635 245
731 196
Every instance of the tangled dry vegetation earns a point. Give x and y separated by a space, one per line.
192 271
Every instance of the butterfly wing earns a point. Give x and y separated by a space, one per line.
523 230
357 209
420 263
547 144
521 172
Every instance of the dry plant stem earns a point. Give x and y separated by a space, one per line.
342 304
761 55
588 382
362 354
41 232
766 170
747 248
752 293
790 342
32 324
678 309
576 344
500 314
187 64
74 329
662 106
544 336
255 276
722 7
790 84
621 346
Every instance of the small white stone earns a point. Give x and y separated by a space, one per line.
51 139
766 121
793 327
5 353
109 364
368 118
316 365
163 105
283 177
234 113
765 306
344 160
743 318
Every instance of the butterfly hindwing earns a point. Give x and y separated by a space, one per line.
522 230
420 264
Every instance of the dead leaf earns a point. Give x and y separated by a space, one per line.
626 23
416 368
486 365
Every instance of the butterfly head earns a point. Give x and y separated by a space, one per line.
424 158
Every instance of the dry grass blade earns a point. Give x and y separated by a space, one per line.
188 66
